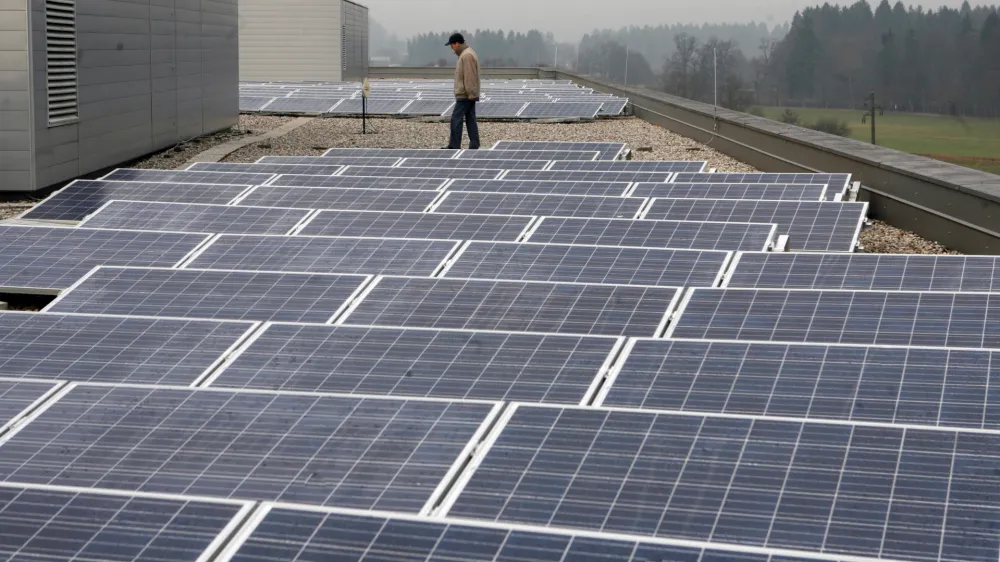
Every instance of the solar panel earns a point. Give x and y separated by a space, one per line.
331 160
348 451
441 226
765 191
186 217
326 254
299 535
593 188
561 109
630 166
341 198
305 169
452 173
17 397
474 164
82 197
866 271
302 105
917 386
224 295
613 107
112 349
529 155
849 317
429 107
607 310
391 152
535 204
79 526
810 226
607 150
188 176
254 103
838 183
424 363
569 175
381 106
499 109
692 235
43 259
848 488
296 180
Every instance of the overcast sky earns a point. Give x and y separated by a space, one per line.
569 19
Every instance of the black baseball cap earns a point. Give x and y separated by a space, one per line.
455 38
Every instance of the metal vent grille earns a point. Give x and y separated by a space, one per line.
343 48
60 61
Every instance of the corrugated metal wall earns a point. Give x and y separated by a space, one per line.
355 29
15 97
290 40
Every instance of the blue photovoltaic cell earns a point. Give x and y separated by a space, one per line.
326 254
44 258
861 490
424 363
765 191
654 234
189 176
17 396
239 168
862 317
867 271
439 226
298 180
110 349
918 386
838 182
630 166
607 150
341 198
589 264
568 175
286 535
587 155
224 295
474 163
182 217
540 205
608 310
331 160
45 524
612 189
440 173
363 453
393 152
561 109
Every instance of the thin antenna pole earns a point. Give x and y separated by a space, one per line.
626 65
715 68
557 56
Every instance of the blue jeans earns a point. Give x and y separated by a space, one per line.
465 110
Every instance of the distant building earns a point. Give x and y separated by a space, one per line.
89 84
303 40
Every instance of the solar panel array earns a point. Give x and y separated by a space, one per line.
486 358
511 99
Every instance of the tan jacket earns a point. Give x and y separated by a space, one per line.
467 84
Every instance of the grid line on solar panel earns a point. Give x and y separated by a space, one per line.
442 226
192 217
681 235
629 166
920 319
299 180
20 397
848 488
946 387
346 199
353 451
80 525
516 306
188 176
82 197
588 264
584 155
569 175
838 183
865 272
474 164
89 348
765 191
449 173
452 364
298 533
255 168
479 202
325 254
810 226
607 150
211 294
41 259
331 160
593 188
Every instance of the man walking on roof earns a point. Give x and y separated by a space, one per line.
467 87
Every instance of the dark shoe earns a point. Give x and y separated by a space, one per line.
449 148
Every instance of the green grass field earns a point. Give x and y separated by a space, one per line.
972 142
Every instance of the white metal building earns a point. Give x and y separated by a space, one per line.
303 40
88 84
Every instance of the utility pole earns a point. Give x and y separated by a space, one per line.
557 57
626 65
871 108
